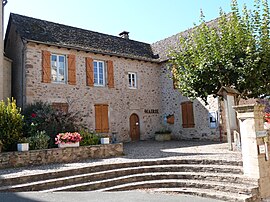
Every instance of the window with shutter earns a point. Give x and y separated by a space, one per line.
187 115
72 69
101 118
60 106
110 74
89 72
46 67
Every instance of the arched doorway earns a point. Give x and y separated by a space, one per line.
134 123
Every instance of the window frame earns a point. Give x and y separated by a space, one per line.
98 73
135 80
58 68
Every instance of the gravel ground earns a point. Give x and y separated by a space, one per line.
142 151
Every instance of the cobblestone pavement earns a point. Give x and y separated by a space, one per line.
141 151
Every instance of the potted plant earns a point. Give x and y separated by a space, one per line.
267 121
23 144
105 139
68 139
163 135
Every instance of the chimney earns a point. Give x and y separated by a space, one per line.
124 35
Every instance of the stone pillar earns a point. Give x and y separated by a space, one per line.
254 138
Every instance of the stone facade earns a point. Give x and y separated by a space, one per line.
154 99
59 155
5 63
171 105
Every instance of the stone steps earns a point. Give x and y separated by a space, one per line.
221 176
221 195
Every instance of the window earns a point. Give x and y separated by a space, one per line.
101 118
187 115
132 80
60 106
58 68
99 72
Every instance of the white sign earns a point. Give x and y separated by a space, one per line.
261 133
262 149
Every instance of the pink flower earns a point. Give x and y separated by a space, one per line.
68 138
33 115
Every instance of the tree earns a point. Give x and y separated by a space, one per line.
232 51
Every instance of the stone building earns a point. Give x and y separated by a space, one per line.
118 85
5 63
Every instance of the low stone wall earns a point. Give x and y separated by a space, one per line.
59 155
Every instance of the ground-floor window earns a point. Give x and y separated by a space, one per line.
60 106
187 115
101 118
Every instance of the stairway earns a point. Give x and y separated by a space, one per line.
207 178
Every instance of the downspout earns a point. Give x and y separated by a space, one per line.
23 84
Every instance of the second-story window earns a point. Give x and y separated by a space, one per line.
58 68
99 73
132 80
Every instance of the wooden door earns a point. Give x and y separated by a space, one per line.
134 127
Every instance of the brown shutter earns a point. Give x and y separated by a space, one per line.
187 115
98 118
89 72
184 115
105 119
72 69
110 74
46 66
190 114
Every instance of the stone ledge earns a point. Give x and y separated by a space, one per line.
59 155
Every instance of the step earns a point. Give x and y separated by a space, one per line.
225 196
150 180
6 181
180 171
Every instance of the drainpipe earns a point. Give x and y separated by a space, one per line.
24 42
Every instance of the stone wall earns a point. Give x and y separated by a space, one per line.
171 105
59 155
121 100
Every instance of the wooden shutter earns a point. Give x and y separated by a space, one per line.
190 115
60 106
46 66
110 74
98 118
89 72
105 119
72 69
187 115
101 118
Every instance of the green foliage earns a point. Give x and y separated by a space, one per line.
40 116
233 51
88 138
11 122
39 141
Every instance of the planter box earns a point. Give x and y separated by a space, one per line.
163 137
23 146
64 145
105 140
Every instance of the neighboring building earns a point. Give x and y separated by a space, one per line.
5 63
116 84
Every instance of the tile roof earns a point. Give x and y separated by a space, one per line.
50 33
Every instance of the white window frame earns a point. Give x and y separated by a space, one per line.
98 76
132 84
58 67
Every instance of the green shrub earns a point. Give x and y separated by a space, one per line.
11 123
88 138
39 141
40 116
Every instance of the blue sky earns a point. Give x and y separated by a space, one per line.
146 20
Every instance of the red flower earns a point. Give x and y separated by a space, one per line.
33 115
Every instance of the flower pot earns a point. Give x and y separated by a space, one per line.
163 137
105 140
73 144
23 146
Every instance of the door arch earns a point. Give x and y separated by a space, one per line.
134 124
